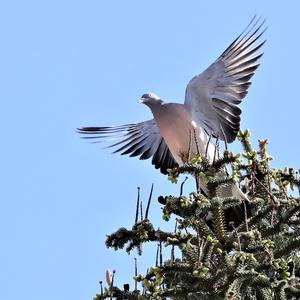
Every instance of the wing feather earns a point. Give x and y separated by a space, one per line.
141 139
214 95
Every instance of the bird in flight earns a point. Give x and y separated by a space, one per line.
177 132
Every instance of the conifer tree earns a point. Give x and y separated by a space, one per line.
229 248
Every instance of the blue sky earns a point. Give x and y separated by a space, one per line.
66 64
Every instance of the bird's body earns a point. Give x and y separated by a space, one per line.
184 137
211 109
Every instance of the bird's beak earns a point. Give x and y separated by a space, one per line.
141 101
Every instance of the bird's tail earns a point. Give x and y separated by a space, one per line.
235 214
232 190
229 190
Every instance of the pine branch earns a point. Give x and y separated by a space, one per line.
226 248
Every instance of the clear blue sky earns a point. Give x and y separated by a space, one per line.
66 64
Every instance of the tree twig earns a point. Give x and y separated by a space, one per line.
137 206
149 201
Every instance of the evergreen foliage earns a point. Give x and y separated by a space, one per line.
230 249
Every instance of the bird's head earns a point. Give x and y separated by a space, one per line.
150 99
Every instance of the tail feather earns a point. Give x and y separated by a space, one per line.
232 214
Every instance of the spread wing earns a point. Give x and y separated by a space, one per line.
140 139
214 95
